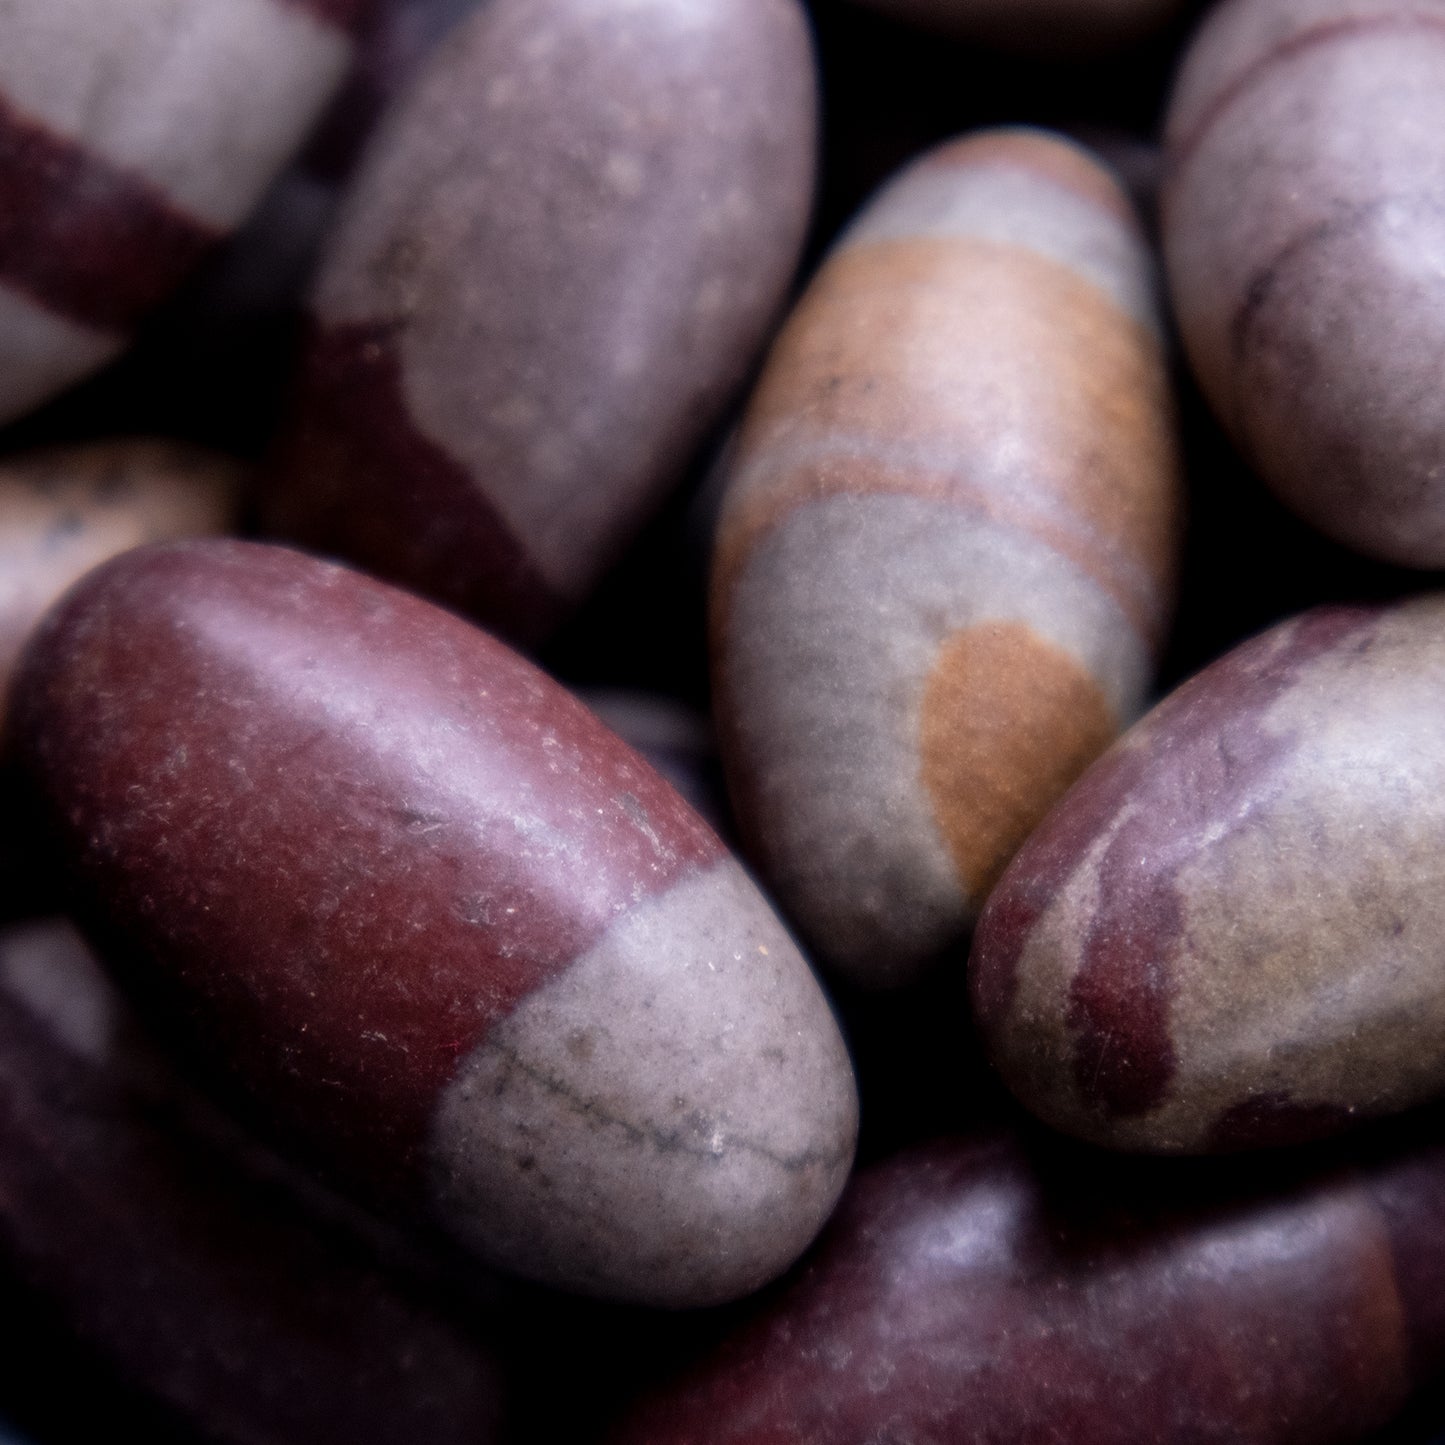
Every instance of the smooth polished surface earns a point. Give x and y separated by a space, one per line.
966 1294
946 552
194 1265
1303 231
416 904
1229 932
561 253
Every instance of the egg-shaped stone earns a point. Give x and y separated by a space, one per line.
400 893
133 136
555 265
1229 932
946 552
1303 234
974 1291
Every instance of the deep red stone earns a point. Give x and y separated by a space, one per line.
95 243
341 831
961 1294
356 477
176 1250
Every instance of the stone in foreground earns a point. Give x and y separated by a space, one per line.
410 899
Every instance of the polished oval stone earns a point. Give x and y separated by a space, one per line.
194 1265
408 898
945 556
1303 230
133 137
554 268
65 509
967 1292
1229 932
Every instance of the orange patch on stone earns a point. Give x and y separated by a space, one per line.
975 372
1009 721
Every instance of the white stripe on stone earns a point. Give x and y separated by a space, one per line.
204 98
836 623
42 353
999 200
1011 469
669 1120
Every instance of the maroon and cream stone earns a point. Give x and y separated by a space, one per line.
967 1292
132 137
1303 230
268 265
1228 934
203 1272
413 901
560 255
946 550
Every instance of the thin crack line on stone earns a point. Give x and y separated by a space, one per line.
668 1143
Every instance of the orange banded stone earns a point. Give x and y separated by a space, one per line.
947 549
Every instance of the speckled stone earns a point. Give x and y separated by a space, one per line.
1070 28
410 899
946 551
1229 933
177 1251
66 509
560 256
964 1294
132 137
1303 228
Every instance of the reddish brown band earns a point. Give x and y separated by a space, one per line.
356 478
93 242
1431 26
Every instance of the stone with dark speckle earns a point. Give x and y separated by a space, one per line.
403 895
